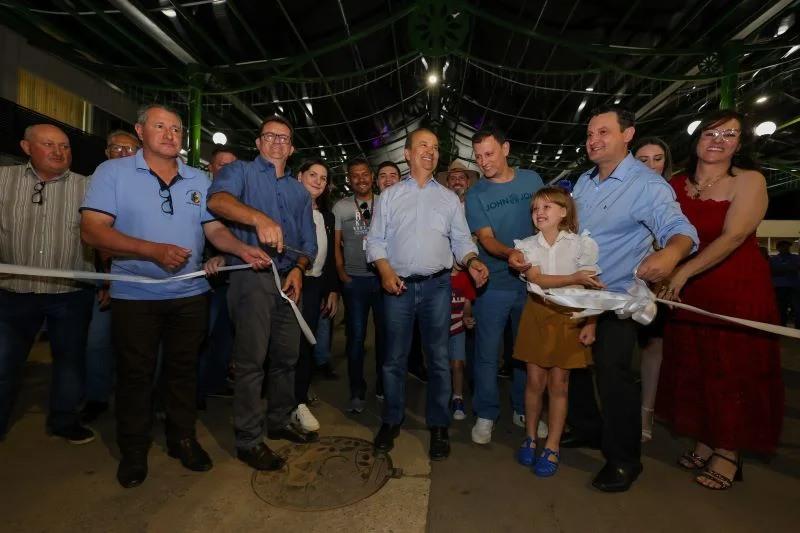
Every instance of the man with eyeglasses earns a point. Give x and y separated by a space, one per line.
120 143
148 212
39 228
361 287
270 208
99 352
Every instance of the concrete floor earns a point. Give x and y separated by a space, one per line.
49 485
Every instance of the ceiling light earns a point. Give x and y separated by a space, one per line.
169 13
560 151
786 23
433 79
322 153
762 99
308 106
446 66
693 126
792 50
219 138
618 100
424 63
582 105
766 128
558 157
577 148
533 159
216 2
590 89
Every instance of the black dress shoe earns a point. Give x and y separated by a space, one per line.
92 410
440 444
384 440
132 469
612 478
292 434
573 439
261 457
191 454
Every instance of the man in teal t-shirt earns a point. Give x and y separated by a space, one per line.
498 211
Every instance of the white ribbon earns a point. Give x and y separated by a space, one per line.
639 304
95 276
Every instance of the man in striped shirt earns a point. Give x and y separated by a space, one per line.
39 227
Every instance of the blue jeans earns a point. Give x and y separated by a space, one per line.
21 317
360 295
429 302
99 355
212 367
322 350
492 310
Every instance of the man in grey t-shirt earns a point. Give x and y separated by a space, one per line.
361 288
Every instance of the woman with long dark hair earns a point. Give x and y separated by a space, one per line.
721 382
320 285
654 153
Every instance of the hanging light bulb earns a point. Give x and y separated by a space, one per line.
766 128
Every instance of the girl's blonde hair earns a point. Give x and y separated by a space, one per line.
562 198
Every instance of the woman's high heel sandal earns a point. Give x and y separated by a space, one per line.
691 461
647 424
723 482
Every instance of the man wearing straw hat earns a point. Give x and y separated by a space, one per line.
458 178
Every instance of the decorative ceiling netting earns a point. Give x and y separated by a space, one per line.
355 77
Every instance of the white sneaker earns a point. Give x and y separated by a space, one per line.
518 419
303 418
482 431
542 430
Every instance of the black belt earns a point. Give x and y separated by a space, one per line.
417 278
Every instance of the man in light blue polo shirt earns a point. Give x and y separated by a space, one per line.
416 231
624 205
498 211
148 212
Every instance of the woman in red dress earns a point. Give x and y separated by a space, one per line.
721 383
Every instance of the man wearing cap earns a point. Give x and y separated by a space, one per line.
498 211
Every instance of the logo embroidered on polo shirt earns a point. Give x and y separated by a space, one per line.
194 197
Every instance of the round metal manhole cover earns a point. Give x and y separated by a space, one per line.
334 472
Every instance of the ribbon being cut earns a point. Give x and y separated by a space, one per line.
639 304
95 276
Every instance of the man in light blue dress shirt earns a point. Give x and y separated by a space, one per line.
417 229
625 206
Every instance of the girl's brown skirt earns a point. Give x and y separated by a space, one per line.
548 337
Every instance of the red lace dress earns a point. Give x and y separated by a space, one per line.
721 383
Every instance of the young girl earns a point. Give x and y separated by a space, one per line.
549 340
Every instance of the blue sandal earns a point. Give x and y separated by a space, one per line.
544 467
526 452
